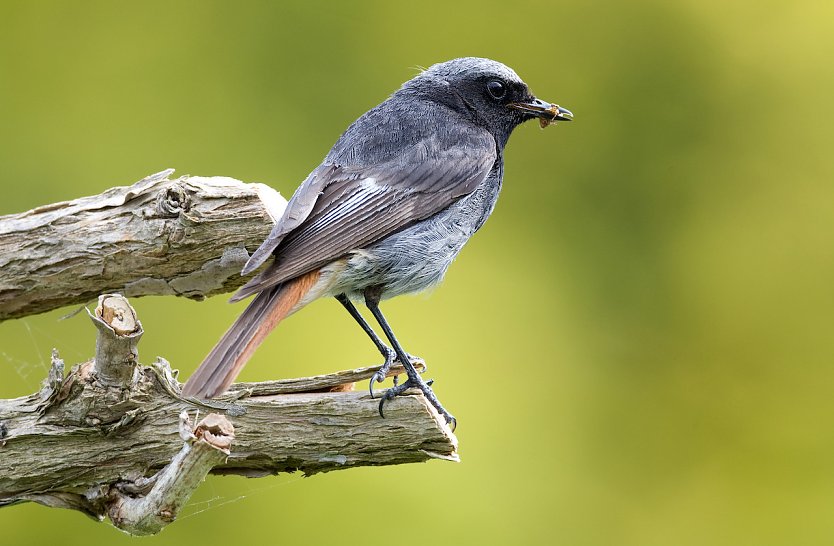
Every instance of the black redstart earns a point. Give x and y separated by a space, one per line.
386 212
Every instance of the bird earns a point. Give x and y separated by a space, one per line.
385 213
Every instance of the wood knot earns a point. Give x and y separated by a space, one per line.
173 200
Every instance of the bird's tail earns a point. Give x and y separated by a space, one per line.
225 361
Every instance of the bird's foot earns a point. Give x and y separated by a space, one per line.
382 372
425 388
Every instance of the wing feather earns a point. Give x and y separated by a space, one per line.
342 208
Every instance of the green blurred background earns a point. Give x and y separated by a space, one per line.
636 345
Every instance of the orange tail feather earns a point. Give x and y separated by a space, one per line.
225 361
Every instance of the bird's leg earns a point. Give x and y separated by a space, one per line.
387 353
372 296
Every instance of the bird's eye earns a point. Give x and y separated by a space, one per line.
496 89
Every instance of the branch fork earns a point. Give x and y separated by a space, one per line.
114 439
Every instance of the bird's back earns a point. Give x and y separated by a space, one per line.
402 121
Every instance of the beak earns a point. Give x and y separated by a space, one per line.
546 112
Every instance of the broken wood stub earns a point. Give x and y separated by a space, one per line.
119 332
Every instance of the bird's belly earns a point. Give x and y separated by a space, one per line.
408 261
417 257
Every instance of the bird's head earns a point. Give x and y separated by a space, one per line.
486 91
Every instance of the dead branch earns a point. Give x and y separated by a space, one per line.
113 438
186 236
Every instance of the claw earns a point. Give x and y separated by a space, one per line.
382 372
378 377
425 388
391 393
371 385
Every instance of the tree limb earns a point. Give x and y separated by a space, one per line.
114 444
186 236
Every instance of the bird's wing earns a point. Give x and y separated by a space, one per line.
298 208
342 208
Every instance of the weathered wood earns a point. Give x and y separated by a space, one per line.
186 236
90 440
107 439
119 332
205 446
62 445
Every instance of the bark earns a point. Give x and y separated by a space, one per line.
114 444
114 437
186 236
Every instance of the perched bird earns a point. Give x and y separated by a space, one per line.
386 212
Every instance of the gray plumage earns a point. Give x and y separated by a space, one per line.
411 157
393 202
